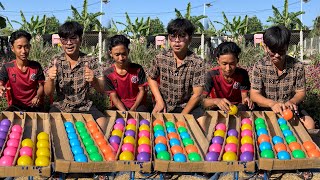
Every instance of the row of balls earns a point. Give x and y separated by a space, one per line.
74 142
144 148
160 147
216 143
4 128
129 141
264 144
12 145
247 149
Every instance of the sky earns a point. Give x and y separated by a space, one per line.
163 9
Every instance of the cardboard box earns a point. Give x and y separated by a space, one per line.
32 124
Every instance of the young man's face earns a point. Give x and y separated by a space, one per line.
119 54
71 45
228 64
179 42
276 56
21 48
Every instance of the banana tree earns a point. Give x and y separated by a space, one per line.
2 19
136 29
35 26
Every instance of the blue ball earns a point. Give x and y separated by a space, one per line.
265 146
287 132
77 150
283 155
70 130
159 133
277 139
72 136
262 131
80 158
184 135
282 121
179 157
160 147
171 129
74 142
174 142
68 124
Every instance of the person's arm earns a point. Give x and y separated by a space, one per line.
139 98
3 80
117 102
245 87
49 84
194 100
35 101
98 84
276 107
160 105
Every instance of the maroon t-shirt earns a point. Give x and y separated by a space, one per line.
126 86
24 85
217 87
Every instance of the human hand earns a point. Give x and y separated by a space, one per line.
248 102
35 101
223 104
160 106
291 105
52 72
278 107
3 90
88 73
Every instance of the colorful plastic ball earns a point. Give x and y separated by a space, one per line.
219 133
230 147
119 127
247 147
101 142
233 132
187 141
110 156
246 126
287 133
25 161
284 127
72 136
95 157
157 121
290 139
277 139
259 121
115 139
13 143
82 130
160 147
80 158
171 129
194 157
10 151
283 155
294 145
116 132
184 135
144 121
5 122
169 124
92 149
132 127
263 138
70 130
221 126
313 153
217 140
127 147
120 121
280 147
15 135
180 124
246 140
44 136
79 124
77 150
144 140
143 157
144 133
105 149
43 152
130 133
129 139
212 156
215 148
298 154
4 129
246 121
42 161
246 133
309 145
265 146
160 139
86 135
233 110
27 142
144 148
26 151
176 149
3 135
262 131
267 154
144 127
43 143
179 157
282 121
229 156
246 156
191 148
16 128
182 129
260 126
87 141
115 146
232 139
163 155
91 124
174 142
6 160
159 133
132 121
287 114
158 127
173 135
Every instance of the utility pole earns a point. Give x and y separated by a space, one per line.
100 33
202 34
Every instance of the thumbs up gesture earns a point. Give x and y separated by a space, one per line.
53 70
88 73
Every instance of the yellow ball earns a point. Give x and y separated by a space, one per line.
144 127
144 140
129 139
27 142
229 156
219 133
246 140
43 144
126 156
25 161
43 152
43 136
232 139
116 132
131 127
233 110
246 127
42 161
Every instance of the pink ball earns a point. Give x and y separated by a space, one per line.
6 160
26 151
119 126
246 121
144 148
144 133
16 128
230 147
15 135
115 146
13 143
246 132
247 147
215 148
221 126
132 121
127 147
10 151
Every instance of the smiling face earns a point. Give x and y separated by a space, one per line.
21 48
119 54
71 45
228 64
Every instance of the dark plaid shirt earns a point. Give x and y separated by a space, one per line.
280 88
176 83
72 89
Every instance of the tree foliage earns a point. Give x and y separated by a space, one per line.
35 26
2 19
212 31
236 27
139 27
255 25
156 27
52 25
316 26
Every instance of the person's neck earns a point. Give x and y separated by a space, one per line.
21 63
280 65
180 56
122 66
73 57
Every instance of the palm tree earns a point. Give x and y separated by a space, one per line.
136 29
2 19
35 26
236 27
288 19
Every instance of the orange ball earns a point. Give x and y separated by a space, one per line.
180 124
93 130
309 145
294 145
161 139
157 121
287 114
173 135
110 156
313 153
191 148
280 147
176 149
101 142
91 124
105 149
98 135
263 138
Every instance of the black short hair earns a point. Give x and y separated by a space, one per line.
70 29
180 26
228 48
18 34
277 38
119 40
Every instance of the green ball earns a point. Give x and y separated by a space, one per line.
79 124
299 154
291 139
259 121
194 157
261 126
267 154
92 149
284 127
84 135
163 155
87 141
182 129
169 124
187 141
96 157
82 130
158 127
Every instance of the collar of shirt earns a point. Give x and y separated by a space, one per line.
288 64
186 60
79 61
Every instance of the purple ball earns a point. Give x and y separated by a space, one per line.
217 140
233 132
120 121
212 156
114 139
3 135
130 133
4 128
246 156
5 122
143 157
144 121
1 143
